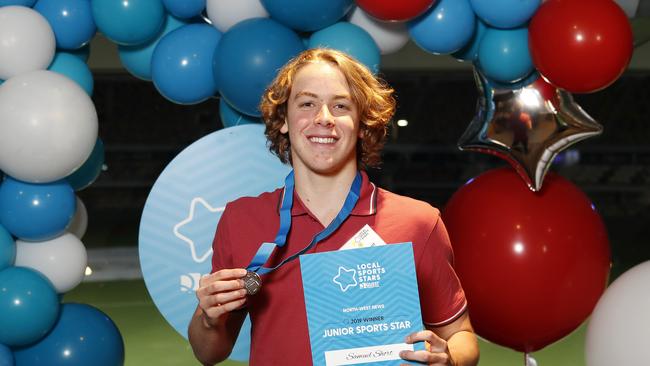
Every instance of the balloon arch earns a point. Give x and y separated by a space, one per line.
528 57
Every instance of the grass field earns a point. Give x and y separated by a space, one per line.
149 340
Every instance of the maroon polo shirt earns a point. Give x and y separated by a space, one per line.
279 321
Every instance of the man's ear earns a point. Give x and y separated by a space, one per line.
285 126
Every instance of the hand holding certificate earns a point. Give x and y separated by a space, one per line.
361 304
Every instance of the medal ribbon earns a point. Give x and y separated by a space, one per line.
265 250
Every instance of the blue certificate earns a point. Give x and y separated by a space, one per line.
361 304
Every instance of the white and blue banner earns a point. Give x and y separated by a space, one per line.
361 304
182 211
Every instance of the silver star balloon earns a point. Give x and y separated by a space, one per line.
527 125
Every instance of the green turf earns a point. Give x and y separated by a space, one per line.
149 340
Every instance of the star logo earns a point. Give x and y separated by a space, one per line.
198 227
346 278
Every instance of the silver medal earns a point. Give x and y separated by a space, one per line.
252 282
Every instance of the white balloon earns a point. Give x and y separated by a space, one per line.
48 126
619 328
79 222
225 13
62 260
27 41
390 37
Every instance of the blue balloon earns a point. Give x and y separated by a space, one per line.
184 9
74 68
505 13
307 15
351 39
470 51
6 356
71 20
137 59
129 22
82 335
447 27
27 3
82 53
181 65
503 55
36 212
29 306
7 250
248 58
89 171
231 117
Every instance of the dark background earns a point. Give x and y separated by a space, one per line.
142 132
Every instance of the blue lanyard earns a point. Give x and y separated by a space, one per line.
265 250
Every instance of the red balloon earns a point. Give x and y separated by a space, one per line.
533 264
392 10
581 46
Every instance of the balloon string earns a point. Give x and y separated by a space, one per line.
529 360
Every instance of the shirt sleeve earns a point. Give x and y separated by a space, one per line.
221 249
441 296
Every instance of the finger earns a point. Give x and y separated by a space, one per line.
436 344
225 297
223 286
210 289
425 357
225 274
216 311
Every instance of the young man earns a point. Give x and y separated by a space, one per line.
326 115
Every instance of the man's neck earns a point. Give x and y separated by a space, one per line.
324 195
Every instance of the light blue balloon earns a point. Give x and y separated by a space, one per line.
36 212
137 59
74 68
7 250
181 65
184 9
447 27
82 53
470 51
307 15
6 356
505 13
248 58
351 39
27 3
29 306
83 335
231 117
71 20
129 22
503 55
89 171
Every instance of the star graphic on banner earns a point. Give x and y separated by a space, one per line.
190 217
526 125
346 278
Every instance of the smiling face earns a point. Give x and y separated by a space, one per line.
322 121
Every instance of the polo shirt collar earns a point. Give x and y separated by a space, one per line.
366 205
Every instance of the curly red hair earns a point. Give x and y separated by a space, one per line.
372 96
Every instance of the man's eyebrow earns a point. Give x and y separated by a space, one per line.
310 94
305 93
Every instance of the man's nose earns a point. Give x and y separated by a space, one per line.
324 117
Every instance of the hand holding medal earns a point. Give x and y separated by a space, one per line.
221 292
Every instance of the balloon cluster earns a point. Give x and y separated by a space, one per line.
574 46
48 149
